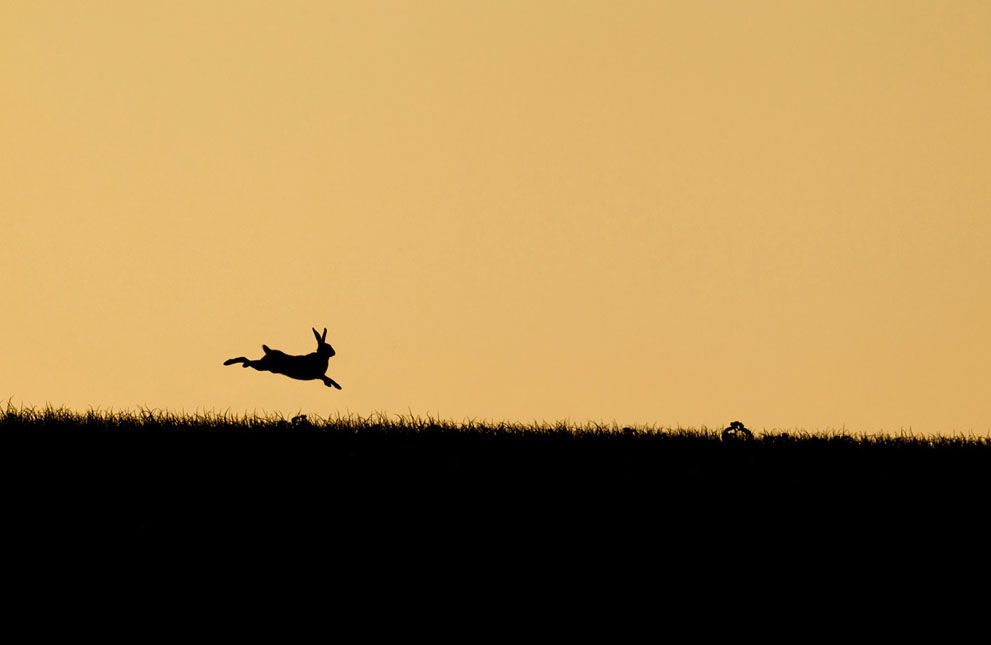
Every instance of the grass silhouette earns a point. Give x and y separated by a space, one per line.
423 482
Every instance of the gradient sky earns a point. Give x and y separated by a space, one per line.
664 213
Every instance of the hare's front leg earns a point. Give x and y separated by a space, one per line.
239 359
329 382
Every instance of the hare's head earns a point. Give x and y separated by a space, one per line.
323 348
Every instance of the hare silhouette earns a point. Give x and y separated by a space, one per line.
309 367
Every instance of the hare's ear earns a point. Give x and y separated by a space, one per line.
316 333
324 339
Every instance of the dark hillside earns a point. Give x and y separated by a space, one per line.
424 485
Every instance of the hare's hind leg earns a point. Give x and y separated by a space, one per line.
244 362
329 382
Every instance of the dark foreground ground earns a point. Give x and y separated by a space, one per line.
361 519
148 478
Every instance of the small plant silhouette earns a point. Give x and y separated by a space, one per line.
304 368
736 430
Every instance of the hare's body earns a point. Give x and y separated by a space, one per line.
304 368
308 367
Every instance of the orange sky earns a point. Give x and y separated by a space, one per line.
641 212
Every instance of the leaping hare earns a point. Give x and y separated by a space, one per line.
305 368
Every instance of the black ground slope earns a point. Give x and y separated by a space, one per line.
379 486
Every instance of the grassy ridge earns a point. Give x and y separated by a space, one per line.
51 419
370 481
